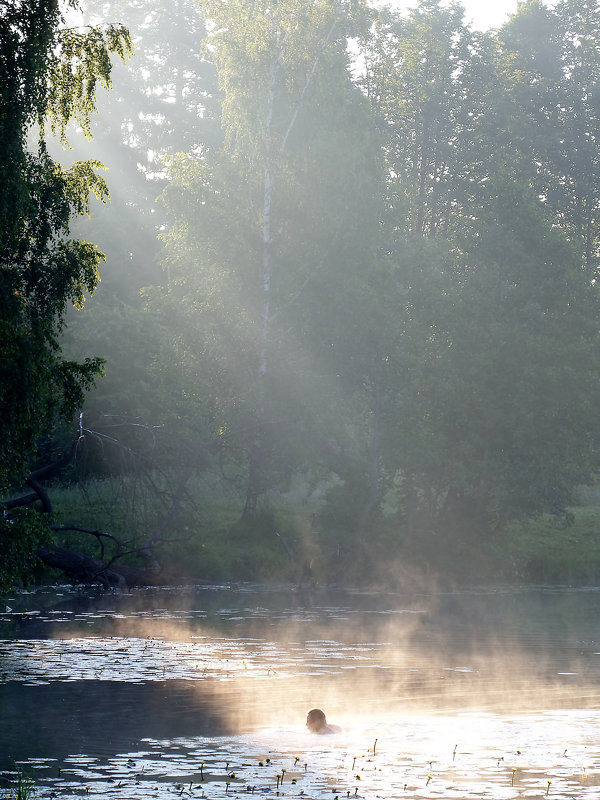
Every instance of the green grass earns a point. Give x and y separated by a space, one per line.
288 542
552 549
203 540
24 789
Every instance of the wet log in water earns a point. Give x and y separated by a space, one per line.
87 569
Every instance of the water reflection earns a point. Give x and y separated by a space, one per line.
131 695
56 720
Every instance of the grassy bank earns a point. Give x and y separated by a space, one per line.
552 549
293 540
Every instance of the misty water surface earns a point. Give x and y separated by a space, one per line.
203 692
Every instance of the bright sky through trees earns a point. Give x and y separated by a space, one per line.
480 14
485 14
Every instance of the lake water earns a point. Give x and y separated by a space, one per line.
202 693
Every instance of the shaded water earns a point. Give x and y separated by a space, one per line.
203 692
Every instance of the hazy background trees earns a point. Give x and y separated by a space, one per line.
349 308
496 282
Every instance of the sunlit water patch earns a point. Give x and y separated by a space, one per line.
552 754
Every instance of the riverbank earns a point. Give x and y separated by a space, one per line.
287 544
557 550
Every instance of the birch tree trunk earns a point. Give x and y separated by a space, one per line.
273 156
255 457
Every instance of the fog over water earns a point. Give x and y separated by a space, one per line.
434 693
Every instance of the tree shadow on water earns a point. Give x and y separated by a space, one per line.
102 718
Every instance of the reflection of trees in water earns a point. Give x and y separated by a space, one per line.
101 718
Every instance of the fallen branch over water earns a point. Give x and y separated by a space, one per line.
87 569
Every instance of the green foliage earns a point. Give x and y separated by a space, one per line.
251 549
555 548
551 63
162 101
489 376
204 541
84 59
24 789
51 74
427 328
20 536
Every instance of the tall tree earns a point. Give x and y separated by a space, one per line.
495 310
552 71
49 77
163 101
271 216
419 76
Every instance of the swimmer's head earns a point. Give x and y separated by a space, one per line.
316 720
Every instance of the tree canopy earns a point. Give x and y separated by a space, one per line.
374 257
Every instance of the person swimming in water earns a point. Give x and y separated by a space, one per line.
316 722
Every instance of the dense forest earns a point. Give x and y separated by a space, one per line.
347 324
